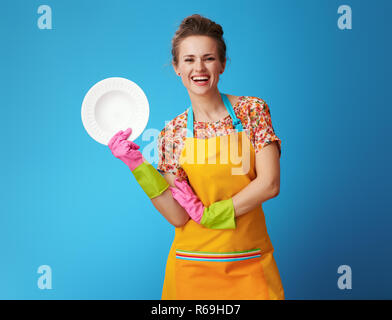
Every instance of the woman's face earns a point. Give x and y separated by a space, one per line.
198 64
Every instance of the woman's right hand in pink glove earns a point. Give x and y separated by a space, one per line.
126 151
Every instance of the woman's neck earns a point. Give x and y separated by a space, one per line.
209 107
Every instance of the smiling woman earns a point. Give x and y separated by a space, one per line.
220 161
223 251
196 67
199 58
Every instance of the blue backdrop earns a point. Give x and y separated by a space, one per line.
68 203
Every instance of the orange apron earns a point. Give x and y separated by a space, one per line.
224 264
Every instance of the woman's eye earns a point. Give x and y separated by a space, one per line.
190 60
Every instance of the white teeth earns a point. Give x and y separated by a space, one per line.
200 78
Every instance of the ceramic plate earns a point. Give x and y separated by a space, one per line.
114 104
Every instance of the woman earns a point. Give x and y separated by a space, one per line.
221 160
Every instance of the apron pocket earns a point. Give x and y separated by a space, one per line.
220 276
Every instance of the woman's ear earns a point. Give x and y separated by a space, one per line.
223 66
175 69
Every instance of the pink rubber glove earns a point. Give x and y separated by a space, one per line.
188 200
126 151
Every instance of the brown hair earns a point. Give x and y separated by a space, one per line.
197 25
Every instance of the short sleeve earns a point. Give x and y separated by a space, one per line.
263 132
169 153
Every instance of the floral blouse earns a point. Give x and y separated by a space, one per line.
253 113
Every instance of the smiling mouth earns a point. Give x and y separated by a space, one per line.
200 80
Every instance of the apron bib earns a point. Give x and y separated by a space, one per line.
221 264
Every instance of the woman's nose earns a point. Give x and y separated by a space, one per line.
199 65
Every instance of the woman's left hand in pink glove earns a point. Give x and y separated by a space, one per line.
219 215
188 199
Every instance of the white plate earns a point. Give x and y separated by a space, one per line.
114 104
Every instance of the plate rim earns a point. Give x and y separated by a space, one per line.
99 89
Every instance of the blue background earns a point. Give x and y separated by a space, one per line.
68 203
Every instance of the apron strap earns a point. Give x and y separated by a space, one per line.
236 122
189 123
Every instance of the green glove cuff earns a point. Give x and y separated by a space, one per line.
150 180
219 215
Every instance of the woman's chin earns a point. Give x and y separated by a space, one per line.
202 91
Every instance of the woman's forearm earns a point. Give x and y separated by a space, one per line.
265 186
253 195
170 209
